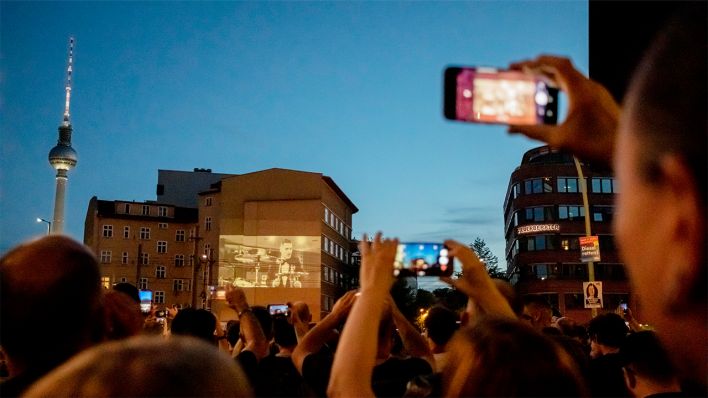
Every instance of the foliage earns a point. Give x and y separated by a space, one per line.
479 246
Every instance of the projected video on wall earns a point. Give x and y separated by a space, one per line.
270 261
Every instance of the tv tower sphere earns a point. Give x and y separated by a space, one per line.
63 156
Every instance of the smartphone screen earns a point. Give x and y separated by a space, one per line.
623 306
422 259
145 301
488 95
278 309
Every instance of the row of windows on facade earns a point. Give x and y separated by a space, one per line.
336 223
563 185
145 210
571 271
556 242
178 285
180 260
337 278
576 300
332 248
180 234
562 212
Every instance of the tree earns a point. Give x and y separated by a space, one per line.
479 246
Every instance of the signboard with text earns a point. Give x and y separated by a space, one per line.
592 292
589 249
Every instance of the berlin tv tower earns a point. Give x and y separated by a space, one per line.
63 157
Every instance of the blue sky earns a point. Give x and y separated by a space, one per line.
349 89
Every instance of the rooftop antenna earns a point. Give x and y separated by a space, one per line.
67 85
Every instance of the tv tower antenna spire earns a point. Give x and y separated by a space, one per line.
63 157
67 84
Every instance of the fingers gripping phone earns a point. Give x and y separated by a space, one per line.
489 95
422 259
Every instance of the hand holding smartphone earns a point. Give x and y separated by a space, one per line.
489 95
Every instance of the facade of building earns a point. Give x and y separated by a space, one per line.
282 235
145 243
544 217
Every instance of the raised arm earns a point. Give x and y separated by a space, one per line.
313 341
356 353
412 340
476 282
250 328
590 127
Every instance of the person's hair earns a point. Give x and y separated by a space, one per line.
668 106
537 302
284 241
506 357
643 353
129 289
198 323
51 281
283 332
233 329
441 324
265 319
608 329
146 366
595 291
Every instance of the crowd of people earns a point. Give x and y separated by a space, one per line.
62 334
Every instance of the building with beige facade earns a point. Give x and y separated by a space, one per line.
282 235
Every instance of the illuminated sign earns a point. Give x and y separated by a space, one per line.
536 228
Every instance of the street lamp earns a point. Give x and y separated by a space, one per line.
49 224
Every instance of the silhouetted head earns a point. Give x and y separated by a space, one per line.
198 323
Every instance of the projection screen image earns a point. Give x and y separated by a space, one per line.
270 261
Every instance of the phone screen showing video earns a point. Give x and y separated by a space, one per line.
145 301
486 95
422 259
278 309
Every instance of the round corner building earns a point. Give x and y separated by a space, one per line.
544 219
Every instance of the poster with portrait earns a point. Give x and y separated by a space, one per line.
269 261
592 292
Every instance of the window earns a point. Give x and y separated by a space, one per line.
179 235
143 284
207 224
124 258
207 249
515 190
569 185
544 213
208 201
603 213
573 301
179 260
126 209
107 231
161 246
180 285
162 211
106 282
326 214
571 212
144 259
162 225
539 242
604 185
144 233
538 185
160 272
146 210
105 256
325 243
126 232
568 243
123 279
159 297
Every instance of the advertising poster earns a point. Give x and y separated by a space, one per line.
593 294
589 249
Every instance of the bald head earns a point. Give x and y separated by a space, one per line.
52 283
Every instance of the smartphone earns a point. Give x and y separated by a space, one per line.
422 259
161 314
278 309
624 307
490 95
145 301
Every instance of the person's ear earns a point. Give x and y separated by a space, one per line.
685 233
630 379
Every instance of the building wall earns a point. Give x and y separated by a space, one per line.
119 239
180 188
537 197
